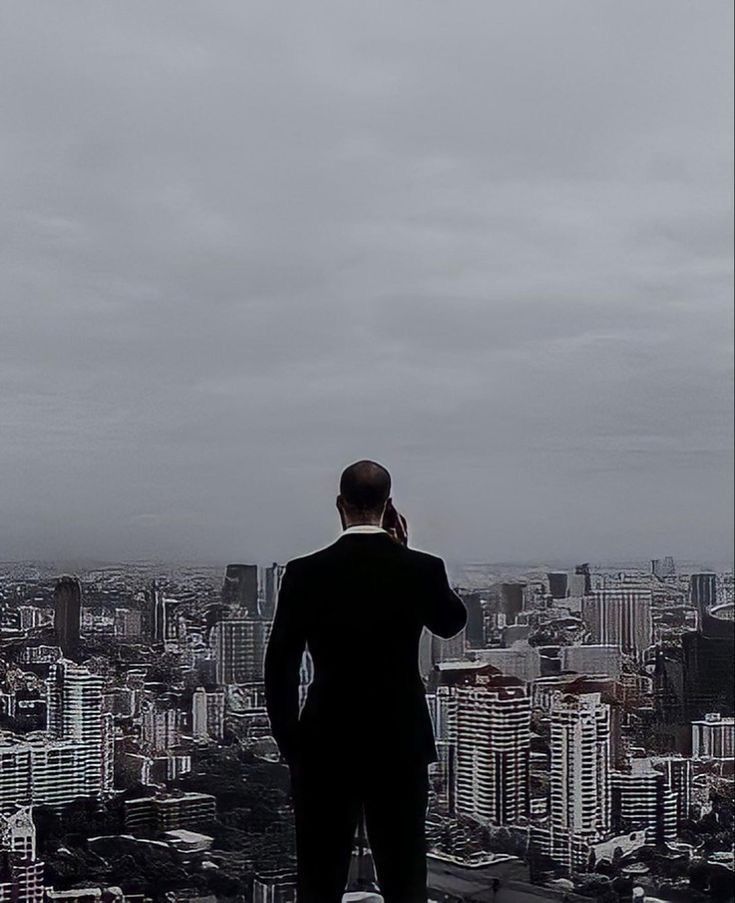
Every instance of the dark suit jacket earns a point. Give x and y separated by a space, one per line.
360 605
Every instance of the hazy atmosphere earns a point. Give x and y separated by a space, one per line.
487 244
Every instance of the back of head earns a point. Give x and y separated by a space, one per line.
365 486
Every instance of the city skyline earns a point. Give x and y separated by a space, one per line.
487 245
583 721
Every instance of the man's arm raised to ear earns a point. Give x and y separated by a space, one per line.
282 663
444 612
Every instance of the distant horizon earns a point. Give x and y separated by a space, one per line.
561 563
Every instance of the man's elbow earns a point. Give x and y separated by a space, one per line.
454 622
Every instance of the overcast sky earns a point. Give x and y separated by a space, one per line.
486 243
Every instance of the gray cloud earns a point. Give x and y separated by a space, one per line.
488 244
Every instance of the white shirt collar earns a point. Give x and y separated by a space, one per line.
363 528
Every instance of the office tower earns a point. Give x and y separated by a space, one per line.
240 588
579 804
273 577
511 601
492 730
642 800
706 661
208 714
702 594
21 875
620 616
607 660
239 650
74 712
583 570
713 737
160 720
677 772
558 584
68 614
275 886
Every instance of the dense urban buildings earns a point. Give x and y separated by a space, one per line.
584 728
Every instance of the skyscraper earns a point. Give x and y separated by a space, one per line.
579 804
68 614
240 588
511 601
703 594
74 712
239 650
584 571
558 584
620 616
491 726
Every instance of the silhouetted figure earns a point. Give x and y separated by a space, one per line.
364 738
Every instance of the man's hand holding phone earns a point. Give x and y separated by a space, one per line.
395 524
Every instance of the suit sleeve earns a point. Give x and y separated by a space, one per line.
444 612
282 663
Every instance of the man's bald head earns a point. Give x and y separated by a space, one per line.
364 488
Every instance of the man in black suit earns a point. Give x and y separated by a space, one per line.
364 739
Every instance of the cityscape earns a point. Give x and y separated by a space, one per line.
583 719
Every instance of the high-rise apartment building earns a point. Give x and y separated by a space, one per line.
74 712
490 717
44 772
642 799
620 616
68 614
579 804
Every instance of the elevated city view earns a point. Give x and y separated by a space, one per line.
584 724
367 451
